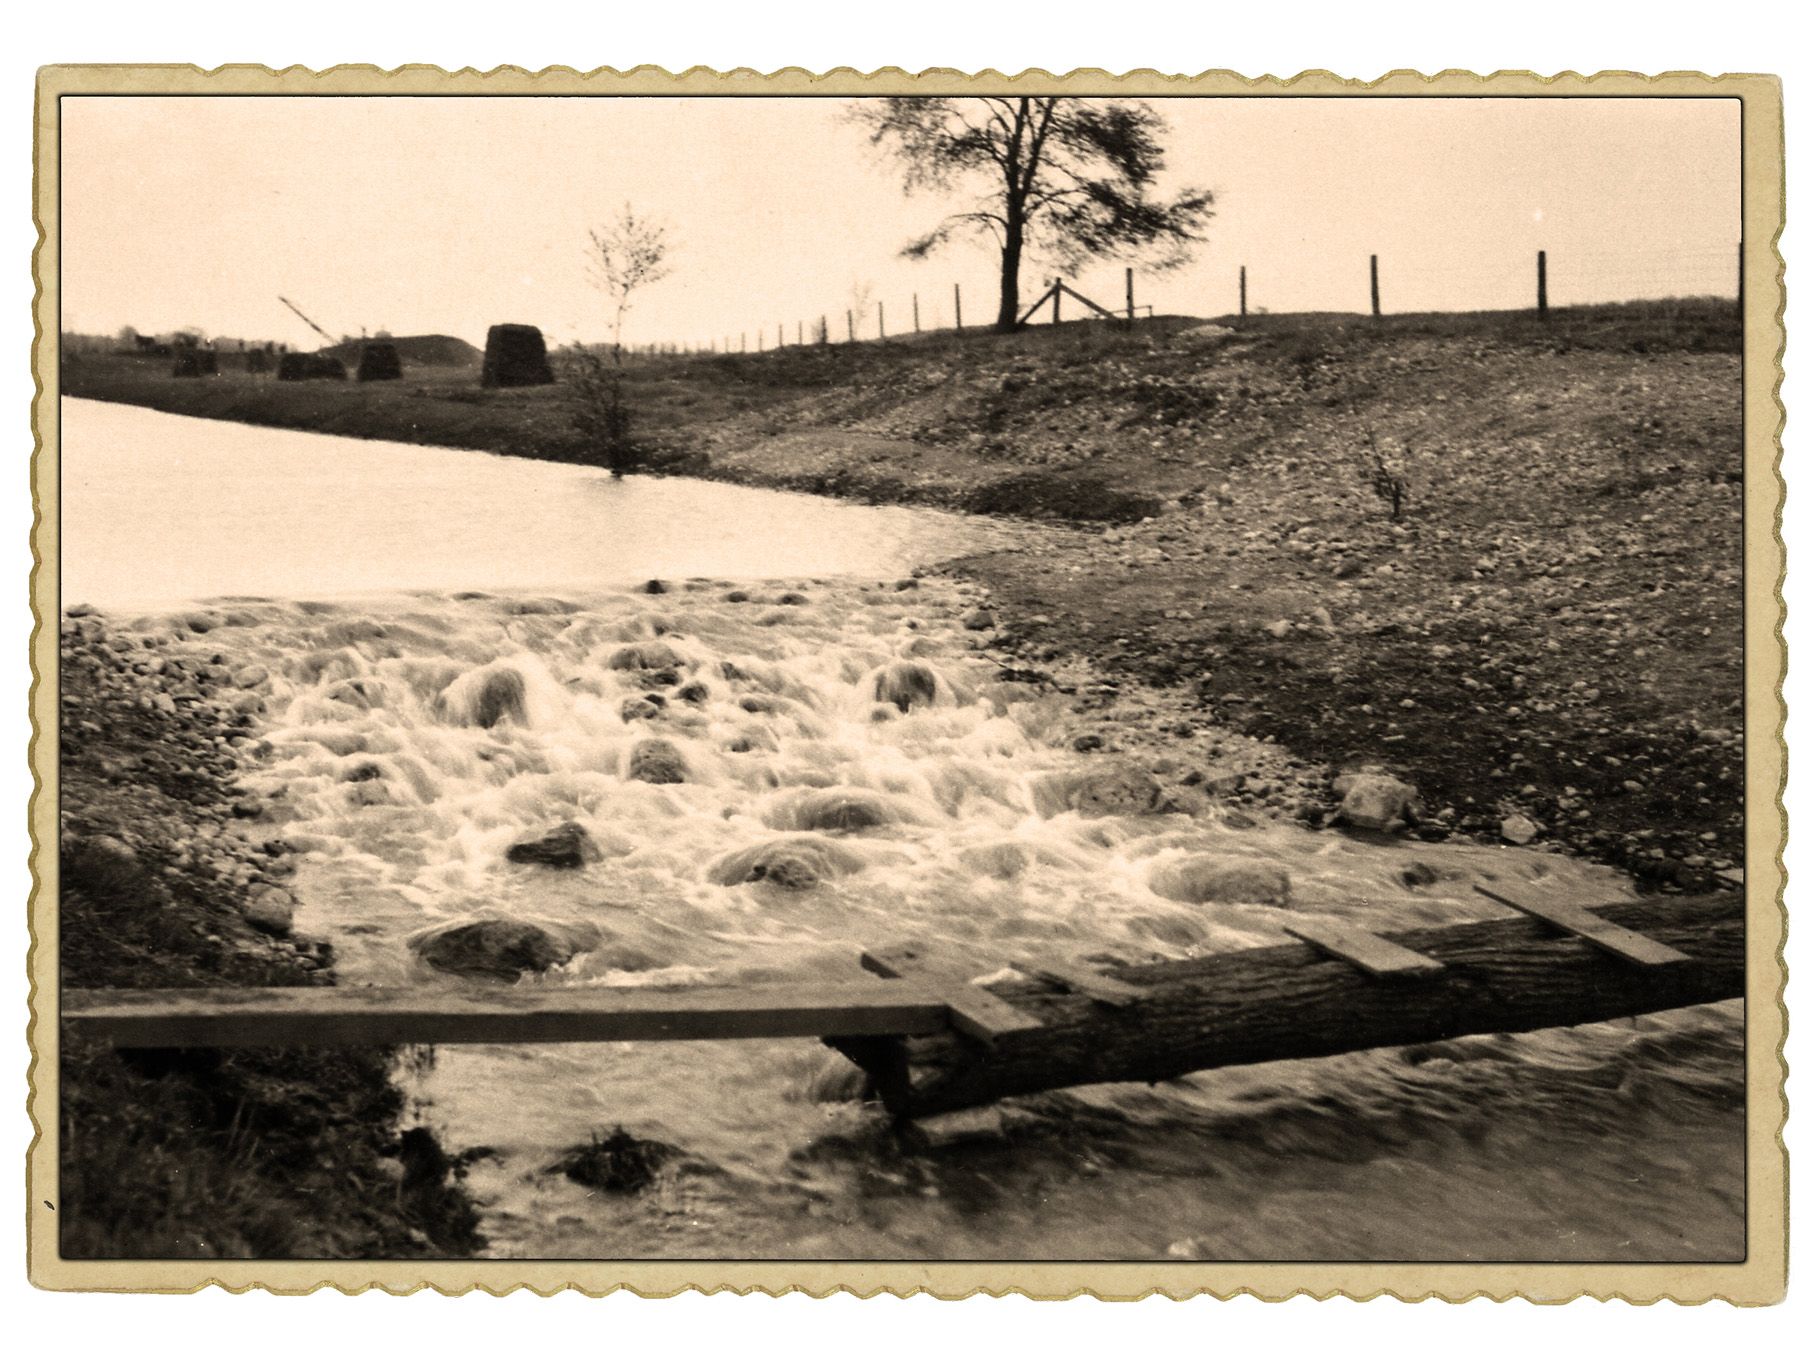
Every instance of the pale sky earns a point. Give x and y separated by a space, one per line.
446 215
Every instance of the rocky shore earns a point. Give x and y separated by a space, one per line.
167 880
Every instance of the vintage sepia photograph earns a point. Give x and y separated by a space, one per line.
1163 676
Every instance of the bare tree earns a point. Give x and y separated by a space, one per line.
624 257
1071 177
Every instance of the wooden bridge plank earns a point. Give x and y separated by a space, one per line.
1597 931
974 1011
1090 983
1374 955
237 1017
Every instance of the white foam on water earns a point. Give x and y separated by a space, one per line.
412 739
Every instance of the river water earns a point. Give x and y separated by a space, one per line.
461 655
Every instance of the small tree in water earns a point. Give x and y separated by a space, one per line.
624 257
596 390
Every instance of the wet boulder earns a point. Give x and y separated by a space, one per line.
657 761
566 847
792 863
1202 879
1121 787
485 696
1373 799
269 909
646 654
906 685
504 948
846 809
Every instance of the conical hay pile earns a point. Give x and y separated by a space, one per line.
515 357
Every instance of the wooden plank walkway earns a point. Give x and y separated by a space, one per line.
240 1017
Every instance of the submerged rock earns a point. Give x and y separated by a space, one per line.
621 1164
906 685
650 654
1201 879
567 847
504 947
1120 788
792 863
841 808
657 761
486 696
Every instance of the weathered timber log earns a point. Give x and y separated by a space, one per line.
1294 1001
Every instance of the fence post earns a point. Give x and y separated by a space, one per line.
916 311
959 308
1375 286
824 334
1243 291
1543 287
881 319
849 327
1056 303
744 341
1130 304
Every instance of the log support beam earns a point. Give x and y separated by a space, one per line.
1301 1001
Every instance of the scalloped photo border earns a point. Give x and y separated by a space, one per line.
1761 1279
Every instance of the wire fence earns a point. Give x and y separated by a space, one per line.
1396 284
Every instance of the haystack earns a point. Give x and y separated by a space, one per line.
380 362
196 362
309 367
515 357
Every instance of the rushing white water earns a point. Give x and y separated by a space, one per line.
414 736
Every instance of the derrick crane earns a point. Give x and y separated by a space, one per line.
304 316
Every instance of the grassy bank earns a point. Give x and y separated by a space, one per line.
1500 556
199 1153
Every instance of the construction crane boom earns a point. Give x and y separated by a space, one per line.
304 316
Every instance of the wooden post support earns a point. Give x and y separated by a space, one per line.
959 308
1375 286
881 319
974 1011
824 333
1094 306
1543 286
1374 955
759 346
1608 936
1243 290
915 312
1056 303
1130 304
849 327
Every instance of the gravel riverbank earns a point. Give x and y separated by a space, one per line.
168 880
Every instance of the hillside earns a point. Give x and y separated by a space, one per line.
417 350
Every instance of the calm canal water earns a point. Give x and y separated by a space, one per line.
387 588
